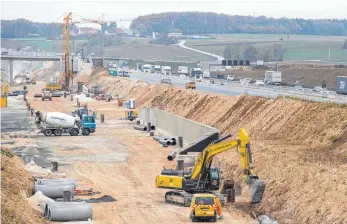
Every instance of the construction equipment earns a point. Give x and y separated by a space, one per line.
67 74
54 87
190 85
131 115
57 123
206 179
46 95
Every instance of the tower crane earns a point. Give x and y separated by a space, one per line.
66 75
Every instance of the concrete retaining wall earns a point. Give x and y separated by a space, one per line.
175 125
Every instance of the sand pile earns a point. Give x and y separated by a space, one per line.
38 201
16 184
299 147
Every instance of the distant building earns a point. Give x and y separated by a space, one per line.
87 30
174 34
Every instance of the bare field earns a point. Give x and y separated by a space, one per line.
299 147
140 49
298 47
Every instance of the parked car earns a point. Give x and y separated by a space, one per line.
259 83
16 93
230 77
298 88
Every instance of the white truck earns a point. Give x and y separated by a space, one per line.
157 69
57 123
147 68
273 78
183 70
165 70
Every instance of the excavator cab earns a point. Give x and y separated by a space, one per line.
214 179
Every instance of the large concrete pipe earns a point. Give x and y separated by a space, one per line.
157 138
54 191
140 127
69 211
172 155
62 181
165 142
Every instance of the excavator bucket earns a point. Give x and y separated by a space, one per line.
257 187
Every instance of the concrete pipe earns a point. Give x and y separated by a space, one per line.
54 191
172 156
63 181
140 127
157 138
69 211
165 141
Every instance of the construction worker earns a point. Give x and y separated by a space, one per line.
219 208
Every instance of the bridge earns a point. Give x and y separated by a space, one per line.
41 56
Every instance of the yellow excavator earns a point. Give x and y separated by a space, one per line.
206 179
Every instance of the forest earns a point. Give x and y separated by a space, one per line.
210 23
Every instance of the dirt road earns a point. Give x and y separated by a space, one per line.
117 161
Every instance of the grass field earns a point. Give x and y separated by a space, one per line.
297 47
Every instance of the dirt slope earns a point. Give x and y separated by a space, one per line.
299 147
16 184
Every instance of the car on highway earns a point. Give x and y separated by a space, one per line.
259 83
245 81
317 89
298 88
166 81
230 77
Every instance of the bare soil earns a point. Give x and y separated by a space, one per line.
299 147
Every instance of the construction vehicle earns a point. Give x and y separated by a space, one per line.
54 87
57 123
131 115
46 95
206 179
203 207
190 85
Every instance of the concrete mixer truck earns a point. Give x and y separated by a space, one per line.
57 123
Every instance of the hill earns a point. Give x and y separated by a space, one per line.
201 22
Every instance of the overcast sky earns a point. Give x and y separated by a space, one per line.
49 11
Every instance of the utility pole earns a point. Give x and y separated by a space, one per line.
329 54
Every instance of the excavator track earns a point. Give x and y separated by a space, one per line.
180 198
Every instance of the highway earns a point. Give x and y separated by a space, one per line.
202 86
234 89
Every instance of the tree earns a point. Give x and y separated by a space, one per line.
345 45
250 53
278 52
227 52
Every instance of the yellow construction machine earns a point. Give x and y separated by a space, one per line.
206 179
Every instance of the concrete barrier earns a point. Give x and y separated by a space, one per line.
175 125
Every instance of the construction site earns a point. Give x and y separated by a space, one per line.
87 146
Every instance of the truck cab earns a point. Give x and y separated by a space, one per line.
88 124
